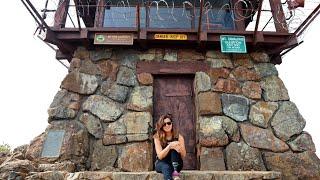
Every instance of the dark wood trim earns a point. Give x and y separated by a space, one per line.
60 16
165 67
278 16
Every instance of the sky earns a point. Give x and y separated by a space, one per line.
30 76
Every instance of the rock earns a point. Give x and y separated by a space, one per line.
217 55
129 59
212 159
114 91
242 60
21 166
241 157
103 107
170 55
202 82
67 166
227 86
230 127
274 89
243 74
50 175
209 103
294 166
108 69
114 139
261 113
100 54
266 69
65 105
103 156
211 132
80 83
216 73
141 98
287 121
252 90
126 77
136 157
116 128
74 64
262 138
260 57
81 53
189 55
34 150
137 137
148 55
137 122
92 124
87 67
220 63
235 106
145 79
303 142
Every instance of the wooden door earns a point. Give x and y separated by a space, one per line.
174 95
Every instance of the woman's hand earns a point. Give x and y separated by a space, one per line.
175 145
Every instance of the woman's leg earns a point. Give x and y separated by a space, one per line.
176 157
165 168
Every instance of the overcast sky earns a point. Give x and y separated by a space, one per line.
30 77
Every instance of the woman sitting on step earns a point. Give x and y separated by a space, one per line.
170 148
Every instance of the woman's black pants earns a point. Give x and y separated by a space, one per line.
165 166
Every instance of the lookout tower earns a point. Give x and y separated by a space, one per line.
209 63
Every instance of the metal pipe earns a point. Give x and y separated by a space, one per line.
35 18
308 21
282 54
37 14
200 18
267 23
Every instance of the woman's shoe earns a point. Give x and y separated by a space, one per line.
175 175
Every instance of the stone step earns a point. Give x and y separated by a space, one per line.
152 175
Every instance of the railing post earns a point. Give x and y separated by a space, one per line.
98 22
60 16
278 16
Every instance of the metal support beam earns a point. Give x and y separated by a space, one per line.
308 20
257 23
60 17
278 16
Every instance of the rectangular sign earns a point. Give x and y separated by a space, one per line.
171 37
233 44
113 38
53 143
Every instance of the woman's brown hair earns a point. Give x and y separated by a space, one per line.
160 132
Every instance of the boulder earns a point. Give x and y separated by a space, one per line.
103 107
262 138
287 121
88 67
148 55
294 166
80 83
202 82
137 122
235 106
126 77
114 139
211 132
244 74
66 166
108 69
241 157
242 60
252 90
266 69
136 157
114 91
170 55
141 98
92 124
227 86
274 89
216 73
211 159
189 55
103 156
20 166
137 137
145 79
100 54
217 55
81 53
116 128
220 63
209 103
260 57
261 113
128 59
302 142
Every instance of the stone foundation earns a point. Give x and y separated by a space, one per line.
244 118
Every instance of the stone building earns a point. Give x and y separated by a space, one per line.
233 110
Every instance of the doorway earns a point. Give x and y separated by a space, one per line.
174 94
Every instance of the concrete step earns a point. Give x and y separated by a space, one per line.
152 175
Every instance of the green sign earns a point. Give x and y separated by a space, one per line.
233 44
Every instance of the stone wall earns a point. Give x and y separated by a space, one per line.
245 119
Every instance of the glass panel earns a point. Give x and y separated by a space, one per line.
120 17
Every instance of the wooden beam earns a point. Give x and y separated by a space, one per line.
60 16
164 67
278 16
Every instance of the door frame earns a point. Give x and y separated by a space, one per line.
175 68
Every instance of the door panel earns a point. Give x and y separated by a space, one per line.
174 95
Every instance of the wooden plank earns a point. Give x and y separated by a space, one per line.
60 16
182 67
278 16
